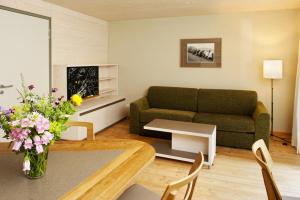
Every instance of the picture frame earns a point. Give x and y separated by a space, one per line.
205 53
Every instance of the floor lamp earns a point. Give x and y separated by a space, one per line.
272 70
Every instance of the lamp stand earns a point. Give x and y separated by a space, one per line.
272 103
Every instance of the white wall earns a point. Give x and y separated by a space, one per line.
76 38
148 54
148 50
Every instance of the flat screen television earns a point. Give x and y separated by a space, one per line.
83 80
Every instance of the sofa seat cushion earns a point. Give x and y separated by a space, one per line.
234 123
157 113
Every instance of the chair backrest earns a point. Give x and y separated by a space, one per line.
189 181
88 125
265 161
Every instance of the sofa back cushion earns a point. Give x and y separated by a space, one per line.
173 98
238 102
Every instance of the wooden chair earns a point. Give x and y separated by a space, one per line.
265 161
88 125
138 192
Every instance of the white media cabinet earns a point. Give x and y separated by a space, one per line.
103 110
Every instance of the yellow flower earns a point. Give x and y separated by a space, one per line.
76 99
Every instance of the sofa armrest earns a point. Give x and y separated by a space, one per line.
261 118
135 108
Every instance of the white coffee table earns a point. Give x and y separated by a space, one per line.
187 140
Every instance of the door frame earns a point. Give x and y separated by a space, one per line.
49 34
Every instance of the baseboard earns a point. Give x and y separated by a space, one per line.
124 118
281 134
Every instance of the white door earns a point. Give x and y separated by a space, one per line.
24 49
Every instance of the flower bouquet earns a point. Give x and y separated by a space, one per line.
34 125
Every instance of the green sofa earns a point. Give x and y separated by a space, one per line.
240 118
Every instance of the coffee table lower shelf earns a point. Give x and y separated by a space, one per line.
164 149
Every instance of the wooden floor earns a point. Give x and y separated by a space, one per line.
235 175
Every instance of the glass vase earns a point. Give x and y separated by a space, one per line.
38 163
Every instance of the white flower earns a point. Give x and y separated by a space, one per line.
31 98
35 115
26 165
17 145
15 123
27 123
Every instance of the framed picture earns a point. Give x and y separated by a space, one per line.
201 52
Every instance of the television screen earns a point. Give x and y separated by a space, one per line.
83 80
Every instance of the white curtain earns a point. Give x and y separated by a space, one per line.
296 118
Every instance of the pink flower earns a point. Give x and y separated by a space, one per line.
47 137
16 133
42 124
27 123
26 165
24 134
19 134
38 144
17 145
37 140
39 149
45 140
28 144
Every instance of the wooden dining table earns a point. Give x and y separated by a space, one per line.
104 182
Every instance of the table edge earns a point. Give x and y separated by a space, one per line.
102 184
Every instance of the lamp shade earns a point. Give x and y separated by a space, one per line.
273 69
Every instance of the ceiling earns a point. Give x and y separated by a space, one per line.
113 10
